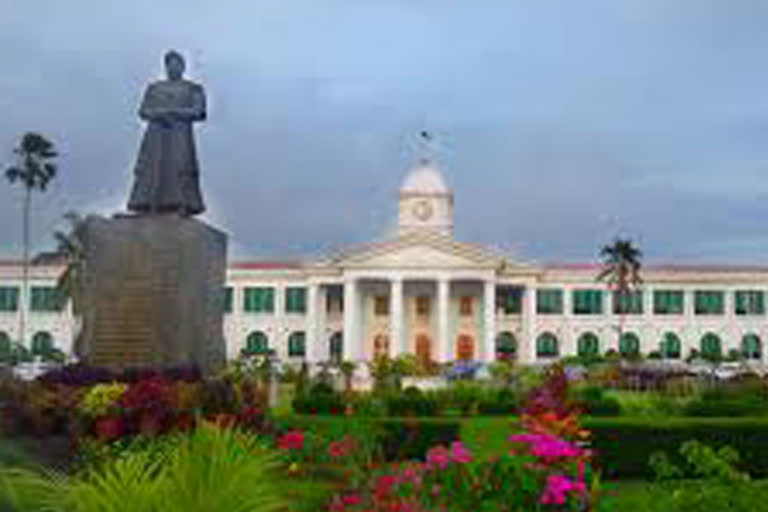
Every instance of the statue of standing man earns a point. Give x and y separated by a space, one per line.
166 172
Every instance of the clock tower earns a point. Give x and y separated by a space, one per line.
425 202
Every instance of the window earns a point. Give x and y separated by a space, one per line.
549 301
587 302
334 304
297 344
506 345
670 346
465 306
227 300
46 298
42 343
668 302
336 347
710 345
295 299
9 298
751 347
5 343
629 302
588 344
259 300
510 300
708 302
381 306
546 345
750 302
629 344
422 306
256 343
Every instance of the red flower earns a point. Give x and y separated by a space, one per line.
336 449
293 440
109 428
185 421
350 499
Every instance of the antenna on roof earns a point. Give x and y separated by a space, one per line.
425 147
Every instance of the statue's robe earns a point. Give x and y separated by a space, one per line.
166 172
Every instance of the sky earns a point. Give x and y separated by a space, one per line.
560 124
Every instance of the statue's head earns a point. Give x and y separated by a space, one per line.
174 65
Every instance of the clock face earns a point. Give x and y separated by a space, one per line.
423 210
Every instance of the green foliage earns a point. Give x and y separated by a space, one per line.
739 401
412 402
209 469
623 444
719 485
593 401
101 399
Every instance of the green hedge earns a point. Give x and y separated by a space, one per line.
623 445
399 438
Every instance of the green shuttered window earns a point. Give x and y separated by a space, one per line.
629 302
668 302
670 346
45 298
750 302
587 302
708 302
751 347
711 345
259 300
588 344
257 343
295 299
297 344
9 298
629 344
546 345
549 301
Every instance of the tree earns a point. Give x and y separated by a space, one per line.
69 285
621 272
348 370
34 169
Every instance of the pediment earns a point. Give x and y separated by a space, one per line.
418 252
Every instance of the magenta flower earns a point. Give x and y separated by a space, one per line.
438 456
459 453
293 440
558 487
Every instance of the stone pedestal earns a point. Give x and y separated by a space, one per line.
153 292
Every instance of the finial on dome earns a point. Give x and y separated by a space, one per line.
425 147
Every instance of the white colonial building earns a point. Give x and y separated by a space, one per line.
423 292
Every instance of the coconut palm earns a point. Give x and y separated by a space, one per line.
69 285
621 271
34 168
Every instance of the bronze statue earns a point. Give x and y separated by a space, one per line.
166 172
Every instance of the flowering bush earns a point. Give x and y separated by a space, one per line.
546 468
101 399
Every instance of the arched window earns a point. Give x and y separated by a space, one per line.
42 343
546 345
257 343
751 346
465 347
629 344
670 346
297 344
506 345
336 347
5 343
588 344
711 345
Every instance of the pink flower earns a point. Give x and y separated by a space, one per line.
350 499
336 449
438 456
459 453
435 489
293 440
557 488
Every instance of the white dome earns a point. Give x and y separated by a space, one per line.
425 178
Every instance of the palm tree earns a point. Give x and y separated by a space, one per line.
621 271
70 283
34 168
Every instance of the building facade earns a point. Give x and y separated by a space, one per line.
422 292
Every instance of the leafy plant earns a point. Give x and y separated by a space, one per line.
209 469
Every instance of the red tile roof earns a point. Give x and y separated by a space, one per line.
665 267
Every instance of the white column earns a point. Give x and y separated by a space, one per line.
396 317
443 341
528 354
351 341
312 324
489 304
279 339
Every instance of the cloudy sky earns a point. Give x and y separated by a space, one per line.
560 123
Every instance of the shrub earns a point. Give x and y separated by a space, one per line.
623 444
503 401
593 402
209 469
411 402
